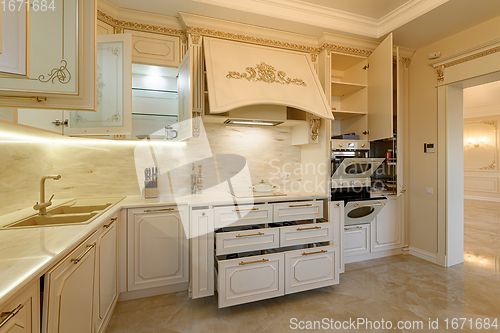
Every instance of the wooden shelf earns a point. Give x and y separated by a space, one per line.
342 115
344 88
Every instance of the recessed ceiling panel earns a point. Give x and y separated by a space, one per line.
374 9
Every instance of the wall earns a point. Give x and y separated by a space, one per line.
423 116
100 169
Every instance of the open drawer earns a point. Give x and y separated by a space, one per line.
301 210
243 215
305 233
246 240
311 268
250 279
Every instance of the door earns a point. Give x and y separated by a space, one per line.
380 98
157 247
69 292
357 240
58 46
336 216
114 91
185 95
107 282
50 120
387 227
23 311
202 252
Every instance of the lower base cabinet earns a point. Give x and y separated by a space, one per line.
357 239
21 314
261 277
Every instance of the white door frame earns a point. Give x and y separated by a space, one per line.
467 68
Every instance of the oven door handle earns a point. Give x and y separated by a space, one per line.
357 205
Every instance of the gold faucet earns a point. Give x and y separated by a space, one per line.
42 206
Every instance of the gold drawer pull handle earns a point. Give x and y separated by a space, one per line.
110 223
317 252
310 228
10 315
338 205
253 262
353 228
158 210
242 210
257 234
305 205
77 260
370 205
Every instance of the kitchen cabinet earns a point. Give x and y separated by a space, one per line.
185 88
301 210
336 217
60 63
387 227
202 249
104 29
361 90
21 313
107 278
357 240
155 49
243 215
70 291
158 247
114 91
14 30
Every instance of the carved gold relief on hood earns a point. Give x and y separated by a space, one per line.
265 73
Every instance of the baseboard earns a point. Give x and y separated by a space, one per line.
129 295
431 257
372 255
472 197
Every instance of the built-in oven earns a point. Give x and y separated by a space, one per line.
352 169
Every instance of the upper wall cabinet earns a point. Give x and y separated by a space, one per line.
52 63
102 28
114 91
155 49
185 95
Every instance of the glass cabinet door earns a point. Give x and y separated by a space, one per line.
114 91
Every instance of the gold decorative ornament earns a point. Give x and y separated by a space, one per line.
440 73
265 73
315 126
61 73
472 57
195 39
490 123
344 49
492 166
138 26
314 57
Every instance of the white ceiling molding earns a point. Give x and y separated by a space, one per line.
321 16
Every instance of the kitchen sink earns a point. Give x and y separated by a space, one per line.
73 209
52 220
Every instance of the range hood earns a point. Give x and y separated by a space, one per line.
240 74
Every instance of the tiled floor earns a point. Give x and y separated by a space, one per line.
399 288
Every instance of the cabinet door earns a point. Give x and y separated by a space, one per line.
157 247
357 240
107 283
202 252
50 120
69 292
114 91
60 59
400 124
185 95
387 227
380 98
336 216
14 37
155 49
23 311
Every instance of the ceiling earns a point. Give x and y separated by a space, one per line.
482 100
414 23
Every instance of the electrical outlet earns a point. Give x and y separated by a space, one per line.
285 175
429 190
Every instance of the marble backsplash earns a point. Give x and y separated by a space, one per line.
89 169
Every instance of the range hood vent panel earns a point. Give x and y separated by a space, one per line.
240 74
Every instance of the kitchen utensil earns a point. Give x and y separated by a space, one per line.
262 186
170 133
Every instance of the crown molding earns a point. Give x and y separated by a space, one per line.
321 16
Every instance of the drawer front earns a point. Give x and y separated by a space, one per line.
357 239
250 279
311 268
306 233
155 49
303 210
243 215
247 240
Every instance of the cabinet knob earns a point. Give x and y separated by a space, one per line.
363 145
203 214
338 205
340 145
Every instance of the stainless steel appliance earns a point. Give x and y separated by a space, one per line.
351 171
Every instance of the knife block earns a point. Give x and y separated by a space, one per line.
150 192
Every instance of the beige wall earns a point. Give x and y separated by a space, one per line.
423 128
108 170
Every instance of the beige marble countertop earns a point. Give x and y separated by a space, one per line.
28 253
